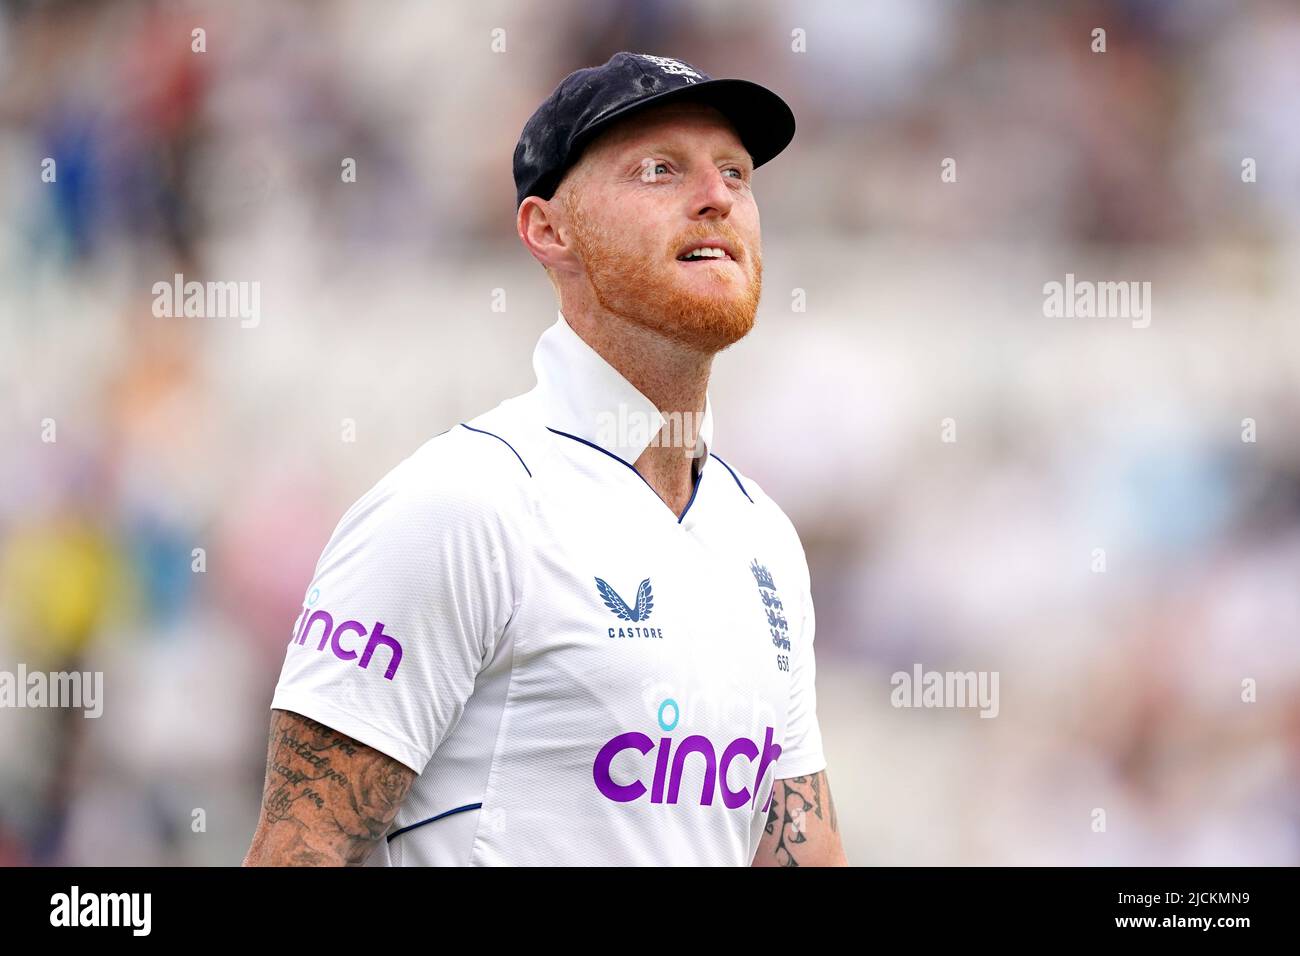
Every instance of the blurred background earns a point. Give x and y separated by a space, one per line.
1119 689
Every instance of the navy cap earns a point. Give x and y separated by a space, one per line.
588 101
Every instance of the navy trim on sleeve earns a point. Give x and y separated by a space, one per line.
502 440
733 475
447 813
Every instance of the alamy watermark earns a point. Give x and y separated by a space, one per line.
55 689
75 908
667 429
946 689
1085 299
208 300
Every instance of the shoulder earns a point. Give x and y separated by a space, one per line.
470 475
764 506
768 513
484 455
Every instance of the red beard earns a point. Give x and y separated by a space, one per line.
642 289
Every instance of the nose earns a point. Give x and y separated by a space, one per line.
711 198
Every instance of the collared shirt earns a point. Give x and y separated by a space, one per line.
578 675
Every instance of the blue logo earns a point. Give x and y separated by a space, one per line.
778 626
645 601
677 715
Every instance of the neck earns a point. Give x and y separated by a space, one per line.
673 376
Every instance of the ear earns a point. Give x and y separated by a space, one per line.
543 232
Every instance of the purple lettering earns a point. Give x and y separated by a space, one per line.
671 779
354 626
377 637
741 745
770 752
661 770
325 617
695 743
623 793
297 627
334 637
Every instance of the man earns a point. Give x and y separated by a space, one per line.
545 638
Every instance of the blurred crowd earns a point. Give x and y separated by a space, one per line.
166 484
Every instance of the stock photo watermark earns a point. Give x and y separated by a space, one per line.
61 689
208 300
628 427
946 690
1084 299
75 909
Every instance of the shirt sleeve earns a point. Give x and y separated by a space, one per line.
407 605
801 754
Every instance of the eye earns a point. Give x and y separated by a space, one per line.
736 170
652 169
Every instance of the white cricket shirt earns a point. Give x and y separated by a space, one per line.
578 675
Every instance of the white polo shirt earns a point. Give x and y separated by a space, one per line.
577 674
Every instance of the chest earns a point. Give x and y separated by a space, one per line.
637 624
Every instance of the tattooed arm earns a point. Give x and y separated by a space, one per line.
328 798
802 828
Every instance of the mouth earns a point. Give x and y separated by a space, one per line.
707 250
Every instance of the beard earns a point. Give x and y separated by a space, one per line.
644 290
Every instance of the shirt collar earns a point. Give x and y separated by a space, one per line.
585 396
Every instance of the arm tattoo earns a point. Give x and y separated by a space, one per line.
328 798
794 800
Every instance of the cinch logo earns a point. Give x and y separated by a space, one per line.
670 761
332 635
